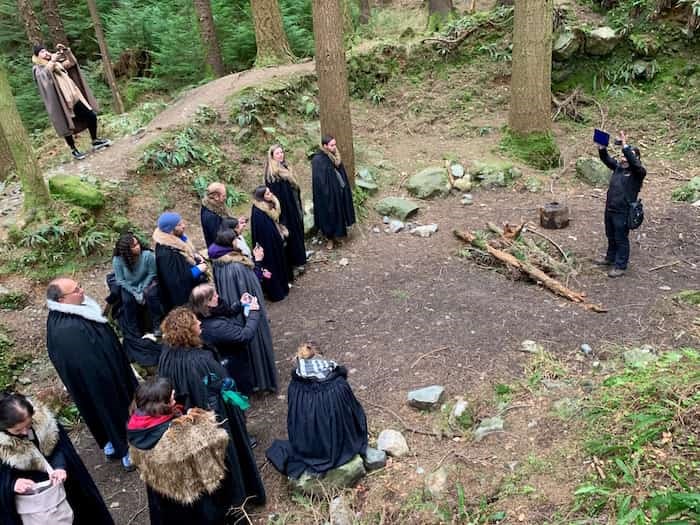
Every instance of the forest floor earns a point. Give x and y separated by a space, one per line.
403 312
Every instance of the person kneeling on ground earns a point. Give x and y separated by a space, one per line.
181 458
625 184
326 424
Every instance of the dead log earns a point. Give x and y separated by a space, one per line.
535 273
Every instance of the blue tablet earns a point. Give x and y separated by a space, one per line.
600 137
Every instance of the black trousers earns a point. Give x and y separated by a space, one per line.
617 232
87 115
131 307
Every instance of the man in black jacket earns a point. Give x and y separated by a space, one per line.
625 183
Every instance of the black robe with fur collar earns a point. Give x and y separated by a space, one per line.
264 231
333 207
19 458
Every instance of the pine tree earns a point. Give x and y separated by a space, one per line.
54 22
36 195
331 70
30 21
117 103
208 33
270 38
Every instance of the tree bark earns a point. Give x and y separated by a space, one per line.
36 194
53 19
30 21
365 11
208 33
531 80
438 12
117 103
270 38
331 70
7 163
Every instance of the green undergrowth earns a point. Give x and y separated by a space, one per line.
539 150
642 436
11 361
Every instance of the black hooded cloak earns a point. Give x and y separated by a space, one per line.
174 277
187 369
333 207
232 280
264 232
83 496
326 426
292 216
95 369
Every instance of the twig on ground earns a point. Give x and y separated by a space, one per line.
136 515
403 423
666 265
242 510
442 459
531 229
429 353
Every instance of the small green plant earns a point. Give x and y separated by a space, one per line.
539 150
544 365
11 362
177 150
688 192
359 200
13 301
689 297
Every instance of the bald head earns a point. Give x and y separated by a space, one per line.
65 290
217 192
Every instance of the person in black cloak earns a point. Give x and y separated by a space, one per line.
334 211
180 267
200 380
213 211
181 458
225 327
271 235
28 433
280 178
326 425
91 363
236 275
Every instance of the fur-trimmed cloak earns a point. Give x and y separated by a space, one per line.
187 368
292 213
175 258
95 369
265 231
333 207
233 278
20 458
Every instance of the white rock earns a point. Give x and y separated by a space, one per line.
424 231
530 347
344 261
395 226
393 443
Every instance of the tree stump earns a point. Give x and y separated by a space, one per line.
554 216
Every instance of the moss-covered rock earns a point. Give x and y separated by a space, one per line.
592 171
602 41
496 174
396 207
430 182
567 43
71 188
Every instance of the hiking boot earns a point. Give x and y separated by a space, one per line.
98 144
78 155
109 451
616 272
127 465
603 261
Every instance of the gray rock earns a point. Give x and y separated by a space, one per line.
457 170
365 174
340 512
567 44
339 478
430 182
386 219
552 384
436 483
396 226
426 398
374 459
463 184
495 174
592 171
461 414
424 231
586 349
368 186
396 207
643 70
602 41
488 426
467 199
530 347
639 357
393 443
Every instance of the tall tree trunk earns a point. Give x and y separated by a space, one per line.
270 38
55 22
36 194
331 70
531 80
365 11
7 163
30 21
117 103
209 40
439 11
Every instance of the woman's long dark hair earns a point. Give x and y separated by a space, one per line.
14 408
259 193
123 249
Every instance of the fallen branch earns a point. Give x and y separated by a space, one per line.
429 353
136 515
530 229
451 43
667 265
406 428
535 273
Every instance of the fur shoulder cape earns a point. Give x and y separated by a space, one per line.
185 248
188 461
234 257
21 453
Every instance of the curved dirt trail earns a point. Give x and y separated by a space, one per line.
113 163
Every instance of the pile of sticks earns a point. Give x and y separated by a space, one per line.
534 262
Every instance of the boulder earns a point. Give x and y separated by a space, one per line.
592 171
436 483
396 207
365 174
467 199
488 426
367 185
73 189
393 443
567 43
494 174
602 41
430 182
463 184
342 477
424 231
426 398
395 226
374 459
643 70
